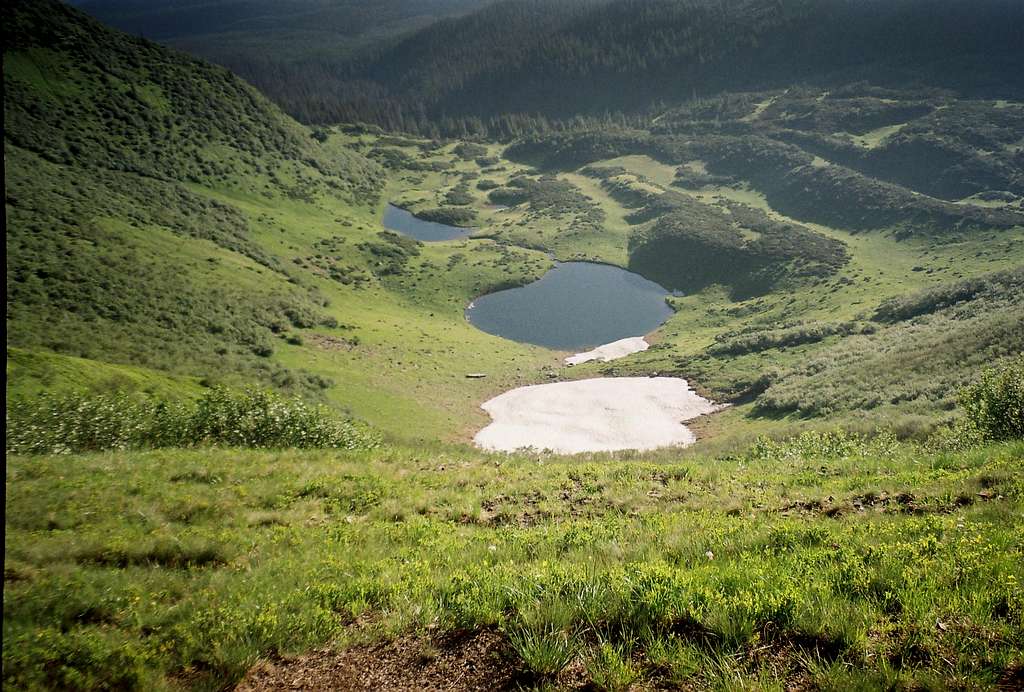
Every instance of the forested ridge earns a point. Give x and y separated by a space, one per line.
514 65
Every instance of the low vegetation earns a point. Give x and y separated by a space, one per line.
451 216
84 423
692 245
946 350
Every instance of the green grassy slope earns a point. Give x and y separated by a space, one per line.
823 564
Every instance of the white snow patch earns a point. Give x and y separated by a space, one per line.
595 415
616 349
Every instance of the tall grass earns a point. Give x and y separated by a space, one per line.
249 418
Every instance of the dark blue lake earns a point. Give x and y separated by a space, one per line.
574 306
401 221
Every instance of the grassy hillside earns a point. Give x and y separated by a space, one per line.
163 215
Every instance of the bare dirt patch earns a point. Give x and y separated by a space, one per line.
465 661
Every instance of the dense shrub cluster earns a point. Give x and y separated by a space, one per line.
389 157
571 150
389 256
812 444
919 365
799 185
550 196
468 151
994 405
755 342
452 216
459 196
961 149
931 300
250 418
691 245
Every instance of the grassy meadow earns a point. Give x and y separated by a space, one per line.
832 561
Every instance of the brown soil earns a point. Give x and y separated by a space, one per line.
901 503
478 660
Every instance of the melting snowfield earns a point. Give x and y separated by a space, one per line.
612 351
596 415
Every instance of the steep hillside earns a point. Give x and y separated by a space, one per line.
628 55
486 62
298 51
161 213
182 20
111 143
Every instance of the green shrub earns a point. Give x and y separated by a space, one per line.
813 444
931 300
994 405
458 197
390 256
468 151
250 418
763 340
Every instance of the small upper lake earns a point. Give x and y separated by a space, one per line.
401 221
574 306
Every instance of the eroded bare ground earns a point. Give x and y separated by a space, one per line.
465 661
479 660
